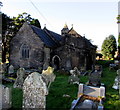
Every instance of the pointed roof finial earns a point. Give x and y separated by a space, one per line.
72 25
65 26
44 25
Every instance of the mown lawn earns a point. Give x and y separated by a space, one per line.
60 87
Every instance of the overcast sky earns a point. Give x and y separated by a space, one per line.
94 18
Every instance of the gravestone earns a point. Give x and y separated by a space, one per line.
73 79
95 77
20 78
89 98
11 69
5 97
117 80
48 76
3 68
75 71
34 91
91 91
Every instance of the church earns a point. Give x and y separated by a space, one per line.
36 48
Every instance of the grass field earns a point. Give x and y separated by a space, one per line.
60 87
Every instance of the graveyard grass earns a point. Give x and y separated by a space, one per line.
60 87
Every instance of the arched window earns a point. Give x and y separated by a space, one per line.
25 51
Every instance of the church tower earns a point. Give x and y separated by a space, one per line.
65 30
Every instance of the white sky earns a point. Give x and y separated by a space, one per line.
94 18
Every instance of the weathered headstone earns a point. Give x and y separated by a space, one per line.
5 97
11 69
20 78
74 76
48 76
75 71
95 77
91 91
89 98
3 68
116 84
34 91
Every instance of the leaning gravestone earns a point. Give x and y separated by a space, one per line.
34 91
11 69
20 78
5 97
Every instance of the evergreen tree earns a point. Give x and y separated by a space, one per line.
109 47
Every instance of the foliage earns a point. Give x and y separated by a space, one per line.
119 43
109 47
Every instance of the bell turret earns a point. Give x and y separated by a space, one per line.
65 30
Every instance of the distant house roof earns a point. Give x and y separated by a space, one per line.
51 39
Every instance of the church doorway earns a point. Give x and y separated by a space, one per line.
56 62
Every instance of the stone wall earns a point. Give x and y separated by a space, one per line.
76 52
26 36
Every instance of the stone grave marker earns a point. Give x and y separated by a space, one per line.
20 78
95 77
117 80
89 98
5 97
73 79
48 76
10 69
3 68
91 91
75 71
34 91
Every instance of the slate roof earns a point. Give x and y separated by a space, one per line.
51 39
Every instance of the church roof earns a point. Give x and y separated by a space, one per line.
74 33
51 39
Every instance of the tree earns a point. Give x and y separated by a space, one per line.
5 37
10 26
109 47
119 43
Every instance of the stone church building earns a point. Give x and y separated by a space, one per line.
34 48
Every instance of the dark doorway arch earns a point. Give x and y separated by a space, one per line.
56 62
